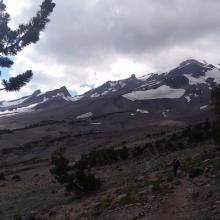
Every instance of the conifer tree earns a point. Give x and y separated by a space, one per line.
13 41
216 107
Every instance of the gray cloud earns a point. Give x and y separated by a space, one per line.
85 33
94 34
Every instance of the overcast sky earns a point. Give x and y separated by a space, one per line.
89 42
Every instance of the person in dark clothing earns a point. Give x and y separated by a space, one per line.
176 164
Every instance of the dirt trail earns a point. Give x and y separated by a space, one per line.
174 206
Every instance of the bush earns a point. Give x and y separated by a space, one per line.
216 131
2 176
159 146
137 151
16 178
87 182
150 147
124 154
75 178
170 146
102 157
61 165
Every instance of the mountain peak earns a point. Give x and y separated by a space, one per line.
133 76
37 92
64 90
193 61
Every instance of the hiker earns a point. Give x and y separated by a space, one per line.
176 164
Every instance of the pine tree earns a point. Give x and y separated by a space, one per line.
216 107
13 41
216 100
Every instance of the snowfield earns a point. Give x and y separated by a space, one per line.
214 74
159 93
14 102
26 109
195 81
86 115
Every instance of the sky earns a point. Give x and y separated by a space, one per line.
89 42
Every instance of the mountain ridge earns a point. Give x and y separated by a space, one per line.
183 92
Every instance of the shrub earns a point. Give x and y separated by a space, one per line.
124 154
216 131
2 176
137 151
87 181
75 178
16 178
170 146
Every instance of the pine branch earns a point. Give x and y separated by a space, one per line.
13 41
15 83
29 33
5 62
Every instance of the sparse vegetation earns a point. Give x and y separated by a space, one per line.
75 178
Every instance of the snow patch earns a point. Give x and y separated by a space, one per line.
96 123
195 81
203 107
122 84
215 74
95 95
164 114
146 76
159 93
86 115
150 83
113 84
11 103
105 93
26 109
183 65
75 98
142 111
188 98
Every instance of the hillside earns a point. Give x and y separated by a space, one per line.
139 187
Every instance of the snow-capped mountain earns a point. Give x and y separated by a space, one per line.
181 94
173 84
185 88
37 100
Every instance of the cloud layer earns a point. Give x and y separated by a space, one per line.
89 42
